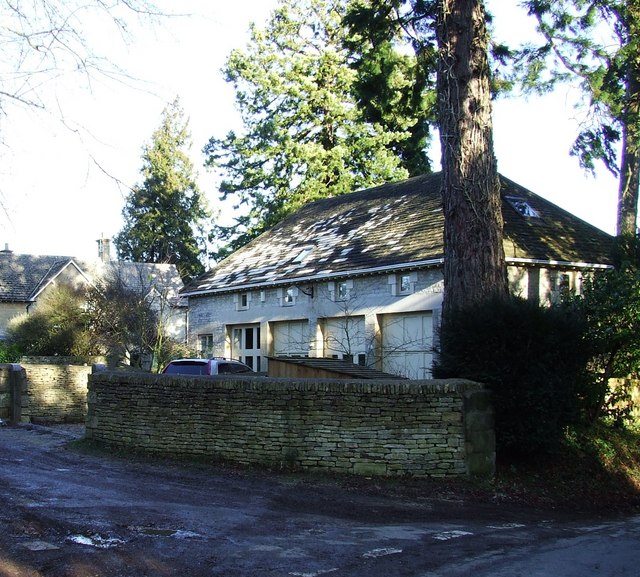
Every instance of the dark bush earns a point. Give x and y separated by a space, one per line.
531 357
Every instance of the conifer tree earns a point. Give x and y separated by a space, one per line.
304 135
164 216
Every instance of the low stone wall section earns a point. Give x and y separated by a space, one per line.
57 388
439 428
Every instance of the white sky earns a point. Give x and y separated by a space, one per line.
57 201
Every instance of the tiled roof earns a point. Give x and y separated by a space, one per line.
395 225
23 276
142 276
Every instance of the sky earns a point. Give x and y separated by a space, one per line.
63 185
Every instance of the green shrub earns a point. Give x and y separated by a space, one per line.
9 353
531 357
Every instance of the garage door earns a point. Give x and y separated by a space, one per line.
407 341
345 338
291 338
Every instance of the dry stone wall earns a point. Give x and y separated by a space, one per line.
57 388
427 428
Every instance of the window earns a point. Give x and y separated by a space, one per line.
290 297
205 345
403 283
340 290
522 207
242 301
287 297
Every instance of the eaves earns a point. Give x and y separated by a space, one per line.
557 264
431 263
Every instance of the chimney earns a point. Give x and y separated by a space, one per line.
104 249
7 250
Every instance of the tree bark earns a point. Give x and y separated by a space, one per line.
630 163
474 263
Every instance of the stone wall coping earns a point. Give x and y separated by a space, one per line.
386 386
60 360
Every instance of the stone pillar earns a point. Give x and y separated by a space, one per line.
17 392
480 436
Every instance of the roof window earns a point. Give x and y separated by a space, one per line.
304 253
522 207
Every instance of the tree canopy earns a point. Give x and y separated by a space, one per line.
306 132
597 44
164 216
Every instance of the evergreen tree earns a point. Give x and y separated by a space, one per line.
395 83
165 215
596 43
304 135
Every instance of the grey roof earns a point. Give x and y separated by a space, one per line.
23 276
395 226
164 278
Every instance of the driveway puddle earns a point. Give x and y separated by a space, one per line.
157 532
446 535
374 553
96 540
39 546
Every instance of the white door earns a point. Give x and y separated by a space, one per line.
245 345
407 341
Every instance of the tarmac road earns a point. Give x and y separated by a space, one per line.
68 514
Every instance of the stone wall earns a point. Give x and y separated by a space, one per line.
57 388
427 428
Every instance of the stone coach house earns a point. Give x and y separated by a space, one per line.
359 277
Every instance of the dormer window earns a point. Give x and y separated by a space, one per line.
522 207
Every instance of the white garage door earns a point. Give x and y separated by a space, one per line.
345 338
291 338
407 341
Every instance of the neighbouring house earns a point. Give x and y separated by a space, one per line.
24 279
359 277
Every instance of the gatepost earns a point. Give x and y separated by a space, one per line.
17 388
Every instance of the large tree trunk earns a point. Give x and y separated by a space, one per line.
630 165
474 264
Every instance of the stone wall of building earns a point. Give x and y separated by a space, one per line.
57 388
427 428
